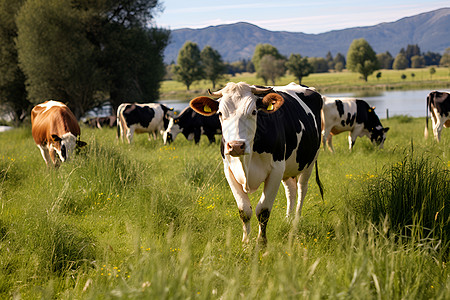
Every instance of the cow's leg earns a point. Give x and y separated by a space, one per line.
54 158
290 188
330 143
437 129
303 179
352 139
130 133
45 154
243 204
264 207
436 120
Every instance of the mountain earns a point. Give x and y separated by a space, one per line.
429 30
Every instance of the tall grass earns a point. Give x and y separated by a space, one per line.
147 221
412 196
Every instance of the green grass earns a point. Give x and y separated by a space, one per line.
151 221
325 82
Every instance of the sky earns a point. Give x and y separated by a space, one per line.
313 16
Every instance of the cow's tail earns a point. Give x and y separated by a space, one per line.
426 117
319 183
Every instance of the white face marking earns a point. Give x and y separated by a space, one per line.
237 113
51 104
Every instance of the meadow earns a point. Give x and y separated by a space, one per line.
148 221
325 82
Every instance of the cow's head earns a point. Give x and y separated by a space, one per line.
237 106
173 129
377 132
65 145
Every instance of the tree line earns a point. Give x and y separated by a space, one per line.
81 52
270 65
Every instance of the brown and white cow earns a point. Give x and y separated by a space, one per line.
55 131
438 103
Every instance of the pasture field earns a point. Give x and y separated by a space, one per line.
149 221
325 82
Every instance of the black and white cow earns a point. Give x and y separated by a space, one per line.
438 103
148 118
192 125
268 135
353 115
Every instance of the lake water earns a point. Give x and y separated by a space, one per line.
411 103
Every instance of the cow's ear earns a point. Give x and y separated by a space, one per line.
386 129
271 103
81 144
204 105
56 138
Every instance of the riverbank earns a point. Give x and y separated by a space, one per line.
326 82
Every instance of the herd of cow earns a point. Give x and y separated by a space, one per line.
269 134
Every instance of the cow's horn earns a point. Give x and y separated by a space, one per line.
217 94
260 90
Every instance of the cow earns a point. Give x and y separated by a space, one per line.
192 124
99 122
141 118
55 130
438 103
270 135
353 115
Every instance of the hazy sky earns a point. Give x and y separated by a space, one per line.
290 15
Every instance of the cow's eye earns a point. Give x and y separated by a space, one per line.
254 112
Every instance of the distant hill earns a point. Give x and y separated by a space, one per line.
430 30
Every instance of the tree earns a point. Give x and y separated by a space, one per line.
411 50
319 64
262 50
445 60
55 54
299 66
189 66
378 75
213 65
133 63
361 58
339 62
330 60
99 50
432 58
432 71
385 60
13 96
417 61
400 62
271 68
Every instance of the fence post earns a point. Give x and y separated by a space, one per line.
387 114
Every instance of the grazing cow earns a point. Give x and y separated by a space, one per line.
140 118
55 129
353 115
99 122
192 124
438 103
268 135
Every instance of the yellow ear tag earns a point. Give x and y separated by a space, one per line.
207 108
270 107
370 110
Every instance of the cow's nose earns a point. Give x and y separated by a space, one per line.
236 148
